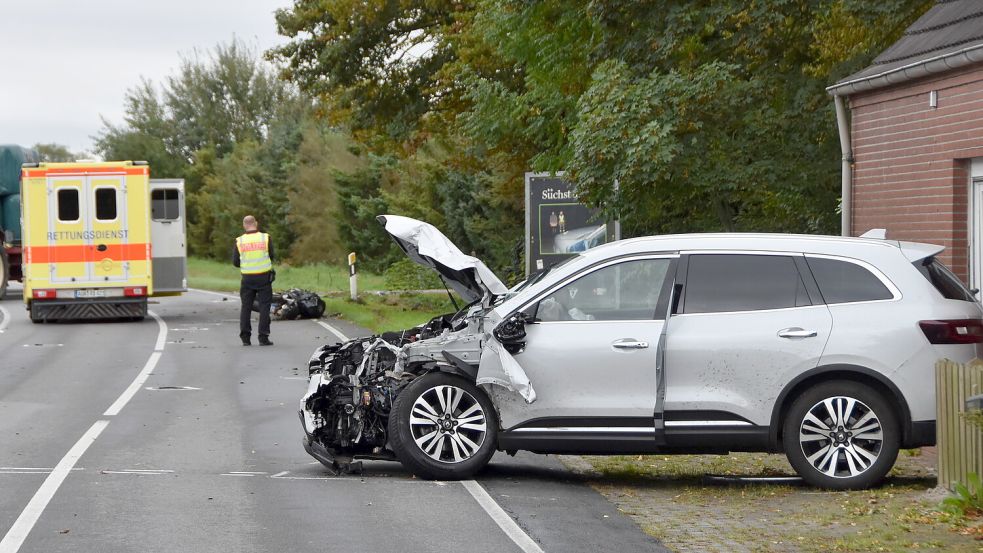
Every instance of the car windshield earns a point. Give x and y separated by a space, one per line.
533 279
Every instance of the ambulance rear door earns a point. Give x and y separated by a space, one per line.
87 228
168 236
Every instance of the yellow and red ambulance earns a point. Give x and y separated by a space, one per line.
87 240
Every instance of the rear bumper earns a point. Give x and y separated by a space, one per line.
922 434
88 309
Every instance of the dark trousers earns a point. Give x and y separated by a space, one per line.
251 288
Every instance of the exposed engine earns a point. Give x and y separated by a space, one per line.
353 385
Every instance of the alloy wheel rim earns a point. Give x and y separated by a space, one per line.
841 437
448 424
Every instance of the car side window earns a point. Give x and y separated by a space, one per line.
621 292
845 282
718 283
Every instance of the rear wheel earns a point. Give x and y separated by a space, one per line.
4 273
841 435
443 427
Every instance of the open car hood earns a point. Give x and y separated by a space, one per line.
427 246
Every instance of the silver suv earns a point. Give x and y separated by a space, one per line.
821 347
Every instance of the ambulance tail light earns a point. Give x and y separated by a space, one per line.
44 293
135 291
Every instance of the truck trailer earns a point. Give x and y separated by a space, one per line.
99 239
12 158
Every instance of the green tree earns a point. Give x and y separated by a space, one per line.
375 64
55 152
708 115
360 201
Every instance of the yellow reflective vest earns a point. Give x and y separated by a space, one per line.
254 253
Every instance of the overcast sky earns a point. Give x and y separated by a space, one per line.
65 63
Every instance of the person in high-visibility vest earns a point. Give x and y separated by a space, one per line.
254 257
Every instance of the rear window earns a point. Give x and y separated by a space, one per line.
105 204
68 205
165 204
845 282
944 281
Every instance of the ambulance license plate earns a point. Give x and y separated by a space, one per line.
90 293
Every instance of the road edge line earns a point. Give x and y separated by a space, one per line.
213 293
498 514
25 522
141 378
4 318
333 330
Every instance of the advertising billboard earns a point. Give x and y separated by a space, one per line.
557 225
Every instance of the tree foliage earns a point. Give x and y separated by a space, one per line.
52 152
674 115
245 143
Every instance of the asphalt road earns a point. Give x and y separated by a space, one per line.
170 436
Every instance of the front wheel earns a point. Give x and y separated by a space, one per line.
443 427
841 435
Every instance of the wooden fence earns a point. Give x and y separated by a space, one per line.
960 444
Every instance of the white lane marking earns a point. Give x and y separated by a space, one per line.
333 330
504 521
138 471
243 473
4 318
29 516
28 470
43 345
200 291
25 522
281 473
141 378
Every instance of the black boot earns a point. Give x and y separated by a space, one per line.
265 341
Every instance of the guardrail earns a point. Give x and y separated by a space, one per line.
960 443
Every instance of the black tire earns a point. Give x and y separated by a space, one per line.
831 455
447 443
4 272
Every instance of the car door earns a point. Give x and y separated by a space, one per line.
746 323
591 350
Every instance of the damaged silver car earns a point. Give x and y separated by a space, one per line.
669 344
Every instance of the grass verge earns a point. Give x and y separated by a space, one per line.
375 312
390 312
670 498
322 278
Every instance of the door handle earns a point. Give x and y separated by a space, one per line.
630 343
796 332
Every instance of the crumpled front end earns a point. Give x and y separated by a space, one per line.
345 412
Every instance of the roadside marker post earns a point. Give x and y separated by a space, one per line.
352 277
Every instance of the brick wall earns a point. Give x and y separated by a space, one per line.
912 167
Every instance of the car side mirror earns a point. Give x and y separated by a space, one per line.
512 332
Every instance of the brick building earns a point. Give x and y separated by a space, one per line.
911 130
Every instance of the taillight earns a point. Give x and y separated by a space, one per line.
44 293
134 291
958 331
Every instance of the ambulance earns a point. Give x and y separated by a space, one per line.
99 239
